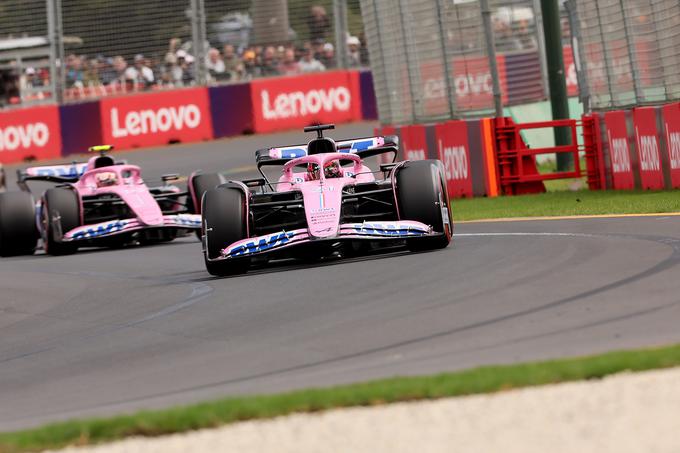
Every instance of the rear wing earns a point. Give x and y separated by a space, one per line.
363 147
51 173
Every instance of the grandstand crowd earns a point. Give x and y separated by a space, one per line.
100 75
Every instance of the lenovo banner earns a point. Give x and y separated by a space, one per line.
619 150
414 142
154 119
31 133
671 124
647 144
454 152
295 102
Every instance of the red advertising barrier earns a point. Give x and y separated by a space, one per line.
414 142
619 150
671 125
647 144
454 151
156 118
32 133
294 102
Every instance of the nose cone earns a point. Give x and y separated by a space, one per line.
322 207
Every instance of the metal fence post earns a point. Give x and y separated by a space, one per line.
540 39
580 63
198 37
341 32
55 34
632 56
447 65
414 92
493 62
605 54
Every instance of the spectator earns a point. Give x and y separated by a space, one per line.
119 66
74 71
140 74
231 61
328 56
289 66
317 48
308 63
107 73
269 66
318 23
353 53
251 69
91 77
215 66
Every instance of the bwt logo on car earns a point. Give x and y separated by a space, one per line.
299 103
388 229
99 230
151 121
620 155
266 243
455 161
649 153
24 136
674 145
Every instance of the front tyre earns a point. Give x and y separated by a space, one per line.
422 197
60 214
223 223
18 232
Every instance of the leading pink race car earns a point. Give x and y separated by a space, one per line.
326 202
98 203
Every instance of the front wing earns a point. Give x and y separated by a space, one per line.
120 226
365 230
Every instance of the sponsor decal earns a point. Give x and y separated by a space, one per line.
24 136
101 229
192 220
63 171
620 155
455 161
415 154
389 229
300 103
674 146
649 153
260 244
164 119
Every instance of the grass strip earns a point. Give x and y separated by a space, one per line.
566 203
211 414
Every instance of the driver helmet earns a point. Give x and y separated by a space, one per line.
106 178
313 172
332 169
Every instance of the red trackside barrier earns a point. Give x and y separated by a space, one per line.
517 162
592 145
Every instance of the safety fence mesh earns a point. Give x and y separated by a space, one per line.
629 51
431 59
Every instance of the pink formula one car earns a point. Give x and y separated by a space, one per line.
326 202
98 203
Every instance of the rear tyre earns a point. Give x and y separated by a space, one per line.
223 223
422 197
60 207
18 232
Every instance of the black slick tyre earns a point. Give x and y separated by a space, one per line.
60 213
200 184
223 223
422 197
18 232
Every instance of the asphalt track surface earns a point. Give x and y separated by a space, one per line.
112 331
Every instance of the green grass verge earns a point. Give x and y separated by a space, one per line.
565 203
205 415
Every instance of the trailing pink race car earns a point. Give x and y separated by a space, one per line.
98 203
326 201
